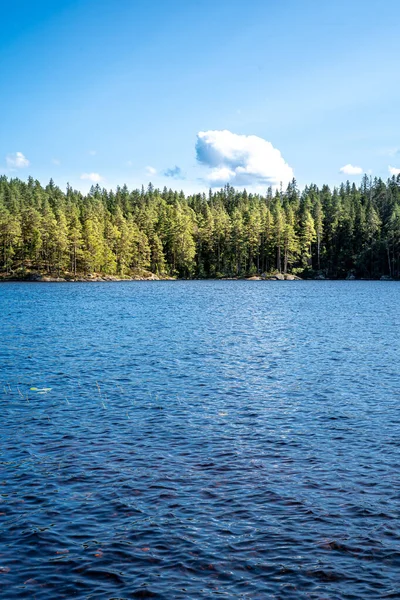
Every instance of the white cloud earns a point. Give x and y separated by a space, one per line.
94 177
55 161
394 171
241 159
17 161
92 152
151 170
221 174
351 170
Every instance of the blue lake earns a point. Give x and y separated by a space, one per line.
200 439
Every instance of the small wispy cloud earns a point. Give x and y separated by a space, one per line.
176 173
92 152
394 171
17 161
389 151
244 160
351 170
94 177
56 162
151 171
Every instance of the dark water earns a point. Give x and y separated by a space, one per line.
200 440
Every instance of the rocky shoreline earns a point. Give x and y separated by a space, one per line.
96 278
37 278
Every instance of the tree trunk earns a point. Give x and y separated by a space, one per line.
285 261
390 266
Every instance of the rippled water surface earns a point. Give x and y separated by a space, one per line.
200 440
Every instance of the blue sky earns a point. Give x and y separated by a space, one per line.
119 91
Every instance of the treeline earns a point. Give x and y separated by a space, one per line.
319 231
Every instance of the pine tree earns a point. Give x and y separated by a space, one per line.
10 235
279 233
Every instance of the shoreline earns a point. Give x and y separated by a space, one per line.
115 279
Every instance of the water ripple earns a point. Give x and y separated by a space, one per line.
199 440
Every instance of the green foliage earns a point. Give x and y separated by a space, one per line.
223 234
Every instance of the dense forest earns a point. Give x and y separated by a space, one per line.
317 232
